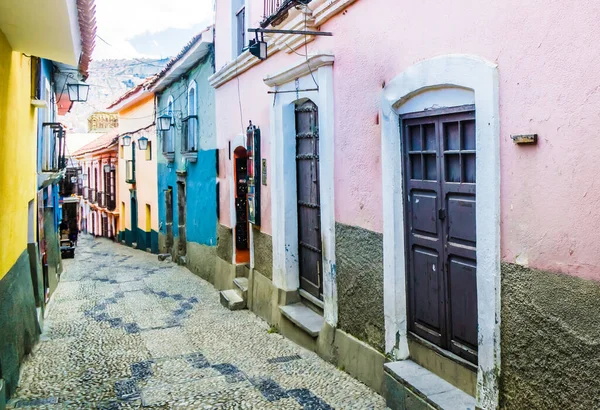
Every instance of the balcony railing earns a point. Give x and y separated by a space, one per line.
101 199
111 201
276 11
130 171
53 147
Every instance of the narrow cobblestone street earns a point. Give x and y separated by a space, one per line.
127 331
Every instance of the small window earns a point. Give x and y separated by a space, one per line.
239 24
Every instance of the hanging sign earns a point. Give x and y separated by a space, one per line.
254 174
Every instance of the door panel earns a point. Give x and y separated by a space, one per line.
309 207
463 305
428 294
461 219
440 207
425 212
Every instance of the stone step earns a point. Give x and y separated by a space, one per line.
304 317
241 287
231 300
410 386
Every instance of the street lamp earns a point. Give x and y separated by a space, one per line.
126 140
164 122
143 143
106 168
78 92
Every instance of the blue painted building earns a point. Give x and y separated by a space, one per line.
187 159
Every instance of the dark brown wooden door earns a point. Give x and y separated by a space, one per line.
169 218
440 203
181 209
309 206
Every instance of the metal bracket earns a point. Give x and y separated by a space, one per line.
301 32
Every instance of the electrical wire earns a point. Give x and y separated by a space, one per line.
133 58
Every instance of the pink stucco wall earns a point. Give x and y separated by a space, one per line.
547 56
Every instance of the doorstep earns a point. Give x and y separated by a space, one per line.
303 317
410 386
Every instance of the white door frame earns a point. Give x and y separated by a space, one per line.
481 77
302 76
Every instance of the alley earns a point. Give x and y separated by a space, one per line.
125 331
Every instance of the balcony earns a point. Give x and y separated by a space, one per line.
189 138
111 201
276 11
53 147
130 171
101 199
93 196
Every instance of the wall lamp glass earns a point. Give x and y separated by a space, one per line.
143 143
126 140
165 122
78 92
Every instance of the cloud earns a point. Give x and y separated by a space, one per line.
119 21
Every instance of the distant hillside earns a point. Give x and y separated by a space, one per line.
108 80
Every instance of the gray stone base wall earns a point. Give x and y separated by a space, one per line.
201 260
263 253
224 243
19 328
224 275
359 267
162 243
550 340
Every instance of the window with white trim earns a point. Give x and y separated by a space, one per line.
168 140
190 134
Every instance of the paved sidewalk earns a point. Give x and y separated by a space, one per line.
127 331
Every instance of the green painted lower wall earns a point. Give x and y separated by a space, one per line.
359 267
201 259
144 240
19 328
550 340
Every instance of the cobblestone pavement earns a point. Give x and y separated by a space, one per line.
127 331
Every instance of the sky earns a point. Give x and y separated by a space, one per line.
148 28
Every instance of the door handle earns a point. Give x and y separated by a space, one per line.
442 214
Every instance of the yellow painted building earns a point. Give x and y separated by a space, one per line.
61 31
137 170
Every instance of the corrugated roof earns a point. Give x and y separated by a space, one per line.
102 142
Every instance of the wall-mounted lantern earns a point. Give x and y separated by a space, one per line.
78 92
126 140
164 122
106 168
258 48
143 143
